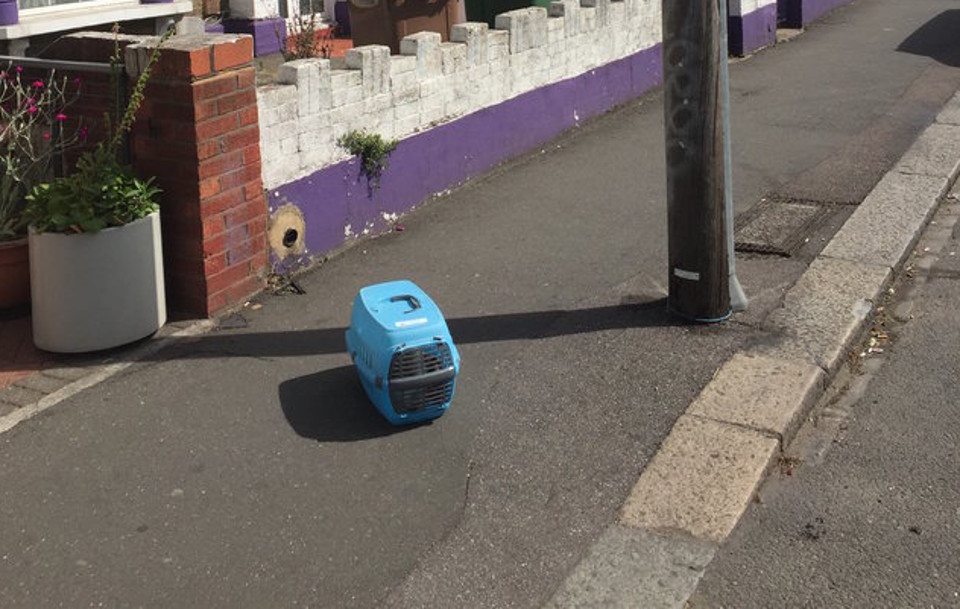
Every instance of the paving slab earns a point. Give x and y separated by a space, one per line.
935 153
42 383
20 396
701 480
631 568
823 312
68 373
887 223
951 112
759 392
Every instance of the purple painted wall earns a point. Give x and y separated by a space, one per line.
753 31
814 9
268 34
798 13
9 12
449 154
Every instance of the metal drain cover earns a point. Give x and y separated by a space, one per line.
776 227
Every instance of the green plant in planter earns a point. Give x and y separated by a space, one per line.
102 191
372 149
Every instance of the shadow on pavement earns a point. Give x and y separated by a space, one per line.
465 330
330 406
937 39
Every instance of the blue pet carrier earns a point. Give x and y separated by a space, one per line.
403 352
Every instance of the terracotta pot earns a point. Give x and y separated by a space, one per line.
14 273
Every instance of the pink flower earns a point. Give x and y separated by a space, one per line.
31 101
19 69
77 81
46 136
38 84
32 109
61 117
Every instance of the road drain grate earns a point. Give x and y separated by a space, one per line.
776 226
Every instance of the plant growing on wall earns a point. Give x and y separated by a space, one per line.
372 149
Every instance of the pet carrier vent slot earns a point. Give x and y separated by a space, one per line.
418 361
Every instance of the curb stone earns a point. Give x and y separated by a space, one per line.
38 392
823 312
701 481
776 384
628 563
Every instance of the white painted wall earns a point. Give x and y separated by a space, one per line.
433 82
738 8
254 9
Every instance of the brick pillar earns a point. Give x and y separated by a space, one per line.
198 133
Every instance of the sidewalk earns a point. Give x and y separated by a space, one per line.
246 467
31 379
19 358
868 513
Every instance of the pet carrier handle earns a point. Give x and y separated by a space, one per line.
423 380
414 303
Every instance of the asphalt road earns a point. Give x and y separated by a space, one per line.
246 469
871 516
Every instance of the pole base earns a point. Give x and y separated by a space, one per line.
701 320
738 299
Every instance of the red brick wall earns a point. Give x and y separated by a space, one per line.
97 96
198 133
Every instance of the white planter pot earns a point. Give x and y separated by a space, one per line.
93 291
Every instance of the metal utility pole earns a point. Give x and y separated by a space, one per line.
693 115
738 299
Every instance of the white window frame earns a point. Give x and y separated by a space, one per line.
40 11
79 15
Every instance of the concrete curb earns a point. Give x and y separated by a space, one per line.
31 396
707 471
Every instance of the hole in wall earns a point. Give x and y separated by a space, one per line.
290 237
286 231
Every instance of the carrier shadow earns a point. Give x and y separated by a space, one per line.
331 406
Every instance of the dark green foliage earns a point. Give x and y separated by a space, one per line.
98 194
372 149
101 191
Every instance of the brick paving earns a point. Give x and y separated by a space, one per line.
27 374
18 357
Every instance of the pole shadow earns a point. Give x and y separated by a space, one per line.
536 325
